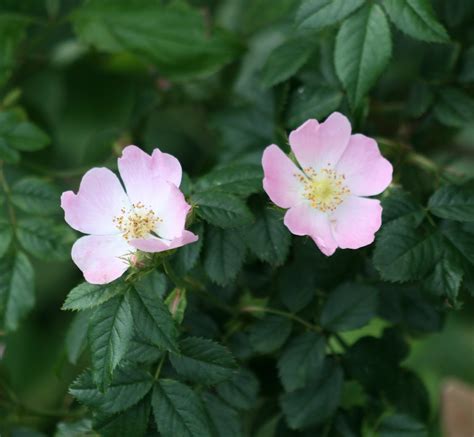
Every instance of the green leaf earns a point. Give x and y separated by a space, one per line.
5 236
26 137
313 102
317 14
76 336
133 421
268 334
239 179
420 100
110 330
461 236
446 279
363 49
225 253
403 252
7 154
187 256
152 319
467 70
268 238
222 209
141 351
203 361
417 19
80 428
17 293
453 202
173 37
400 205
35 196
401 425
45 239
154 284
87 295
12 32
225 420
128 386
286 60
296 287
301 360
177 303
178 410
454 108
349 306
316 402
241 390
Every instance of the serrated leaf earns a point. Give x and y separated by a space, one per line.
268 334
286 60
153 284
133 421
110 330
239 179
45 239
314 404
225 420
363 49
241 390
26 137
35 196
141 351
317 14
128 386
454 107
349 306
417 19
203 361
453 202
225 253
5 236
178 410
222 209
301 360
152 319
76 336
461 236
268 238
17 296
420 100
87 295
400 204
403 252
446 279
187 256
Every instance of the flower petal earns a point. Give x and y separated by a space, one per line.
355 222
317 145
102 258
99 199
154 244
306 220
280 181
167 167
366 171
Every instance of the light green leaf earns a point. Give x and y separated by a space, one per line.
301 360
178 410
317 14
128 386
417 19
87 295
241 390
110 330
268 334
36 196
349 306
453 202
268 238
454 107
363 49
152 319
17 295
76 336
45 239
222 209
5 236
203 361
26 137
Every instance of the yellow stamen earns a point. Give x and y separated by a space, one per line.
137 222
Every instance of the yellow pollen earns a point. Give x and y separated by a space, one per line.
137 222
325 189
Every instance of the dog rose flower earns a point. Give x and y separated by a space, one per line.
150 216
325 194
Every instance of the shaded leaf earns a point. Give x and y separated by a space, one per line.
35 196
87 295
317 14
268 334
453 202
241 390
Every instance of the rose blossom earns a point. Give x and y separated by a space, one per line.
149 216
325 193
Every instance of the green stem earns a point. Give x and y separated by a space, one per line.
160 366
253 310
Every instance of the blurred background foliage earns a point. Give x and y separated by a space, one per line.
235 77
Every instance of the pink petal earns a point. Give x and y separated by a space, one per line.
154 244
102 258
319 145
167 167
280 177
355 222
367 172
99 199
306 220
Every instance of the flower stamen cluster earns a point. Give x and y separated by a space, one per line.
137 222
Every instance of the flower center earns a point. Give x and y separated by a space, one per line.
325 189
137 222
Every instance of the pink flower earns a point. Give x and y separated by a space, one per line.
325 194
149 216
